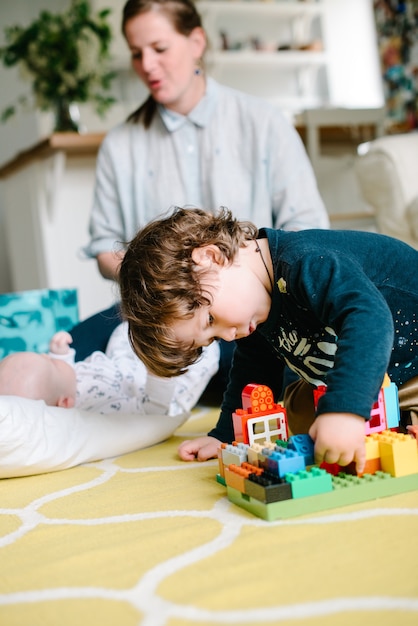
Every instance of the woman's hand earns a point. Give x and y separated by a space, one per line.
339 438
202 449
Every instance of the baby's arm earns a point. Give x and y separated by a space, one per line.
60 343
339 438
201 449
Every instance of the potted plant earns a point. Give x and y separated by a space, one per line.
64 55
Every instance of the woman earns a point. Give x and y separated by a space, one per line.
192 142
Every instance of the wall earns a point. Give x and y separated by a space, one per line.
24 130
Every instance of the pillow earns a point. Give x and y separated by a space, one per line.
36 438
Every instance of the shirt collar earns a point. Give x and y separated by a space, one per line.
199 116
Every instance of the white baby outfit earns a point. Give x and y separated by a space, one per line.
117 381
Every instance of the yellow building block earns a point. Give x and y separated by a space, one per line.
372 448
398 453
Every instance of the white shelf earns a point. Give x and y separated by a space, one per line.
290 58
292 77
285 9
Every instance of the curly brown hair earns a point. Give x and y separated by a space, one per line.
159 282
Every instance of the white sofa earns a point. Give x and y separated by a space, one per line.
387 173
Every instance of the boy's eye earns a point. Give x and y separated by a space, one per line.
210 320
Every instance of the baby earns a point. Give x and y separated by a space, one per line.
104 382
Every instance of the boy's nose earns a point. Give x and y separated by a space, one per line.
229 334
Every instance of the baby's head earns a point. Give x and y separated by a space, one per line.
38 377
161 283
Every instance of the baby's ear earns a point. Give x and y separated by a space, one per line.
66 402
206 256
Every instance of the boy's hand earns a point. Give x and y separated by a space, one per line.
60 342
339 438
202 449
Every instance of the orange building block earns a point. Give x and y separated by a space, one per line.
235 477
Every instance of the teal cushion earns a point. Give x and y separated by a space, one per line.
28 319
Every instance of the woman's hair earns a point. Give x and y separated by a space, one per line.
160 284
184 17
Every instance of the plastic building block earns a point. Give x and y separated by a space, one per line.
280 480
310 482
234 453
390 393
304 445
221 464
267 489
377 421
283 461
372 448
385 412
331 468
371 467
235 476
257 398
347 493
253 454
398 453
268 427
260 418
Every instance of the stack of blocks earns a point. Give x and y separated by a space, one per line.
279 479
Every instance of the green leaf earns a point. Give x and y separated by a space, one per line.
7 113
51 48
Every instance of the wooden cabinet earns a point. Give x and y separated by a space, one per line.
47 194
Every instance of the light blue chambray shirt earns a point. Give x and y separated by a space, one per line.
232 150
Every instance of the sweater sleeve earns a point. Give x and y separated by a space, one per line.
69 357
253 362
338 292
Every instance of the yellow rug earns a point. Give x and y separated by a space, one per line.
145 539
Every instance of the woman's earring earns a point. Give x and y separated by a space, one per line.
198 69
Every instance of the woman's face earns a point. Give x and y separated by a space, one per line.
166 61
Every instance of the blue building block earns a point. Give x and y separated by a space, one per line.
303 445
283 461
390 394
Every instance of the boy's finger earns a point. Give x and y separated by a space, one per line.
209 451
360 459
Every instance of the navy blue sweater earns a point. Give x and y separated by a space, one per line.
344 311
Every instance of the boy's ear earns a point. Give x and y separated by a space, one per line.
206 256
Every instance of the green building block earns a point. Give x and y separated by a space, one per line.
348 490
309 482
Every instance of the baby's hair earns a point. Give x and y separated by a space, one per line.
160 284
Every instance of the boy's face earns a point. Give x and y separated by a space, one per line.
239 298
